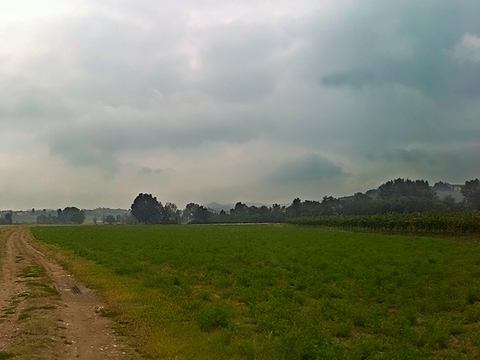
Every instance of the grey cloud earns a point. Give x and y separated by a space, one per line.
46 105
410 156
308 169
150 171
31 107
432 76
122 60
407 43
456 165
237 61
355 78
240 87
91 145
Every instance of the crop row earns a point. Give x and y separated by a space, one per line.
468 222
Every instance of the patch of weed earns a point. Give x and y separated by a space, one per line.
33 272
212 317
110 314
44 287
24 316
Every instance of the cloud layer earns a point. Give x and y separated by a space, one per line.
221 101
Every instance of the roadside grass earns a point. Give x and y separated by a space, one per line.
5 232
279 291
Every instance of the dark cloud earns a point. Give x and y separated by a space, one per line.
308 169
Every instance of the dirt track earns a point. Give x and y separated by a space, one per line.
45 313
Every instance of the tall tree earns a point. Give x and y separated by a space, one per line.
146 209
71 214
471 192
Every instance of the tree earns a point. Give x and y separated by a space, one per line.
331 206
46 219
402 187
195 213
278 212
241 212
172 213
71 214
471 192
110 219
146 209
8 217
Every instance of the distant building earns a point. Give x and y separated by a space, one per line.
456 188
444 189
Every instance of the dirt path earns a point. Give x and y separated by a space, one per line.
45 313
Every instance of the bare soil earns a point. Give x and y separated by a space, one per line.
45 313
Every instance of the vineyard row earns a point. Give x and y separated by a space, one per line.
468 222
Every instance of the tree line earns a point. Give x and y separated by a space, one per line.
69 215
148 210
401 196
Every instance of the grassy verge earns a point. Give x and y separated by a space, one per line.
280 292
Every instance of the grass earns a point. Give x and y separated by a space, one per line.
5 355
280 292
33 272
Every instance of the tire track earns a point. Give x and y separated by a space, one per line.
44 309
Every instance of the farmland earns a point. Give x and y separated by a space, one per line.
279 291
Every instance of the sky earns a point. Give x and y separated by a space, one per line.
225 101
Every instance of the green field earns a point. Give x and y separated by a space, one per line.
280 291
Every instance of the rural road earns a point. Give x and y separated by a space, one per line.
44 312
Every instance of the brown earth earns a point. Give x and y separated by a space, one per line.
45 313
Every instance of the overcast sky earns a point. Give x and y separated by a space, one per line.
225 101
